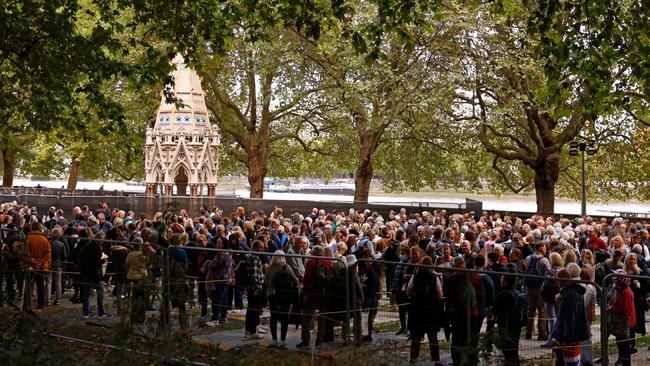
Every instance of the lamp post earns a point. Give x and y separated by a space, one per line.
581 147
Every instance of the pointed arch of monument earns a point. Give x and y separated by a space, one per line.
181 177
205 174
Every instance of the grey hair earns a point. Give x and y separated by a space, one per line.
278 258
574 270
458 261
317 251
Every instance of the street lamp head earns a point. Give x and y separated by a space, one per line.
573 152
573 144
591 152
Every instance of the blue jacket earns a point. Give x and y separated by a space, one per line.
571 325
486 301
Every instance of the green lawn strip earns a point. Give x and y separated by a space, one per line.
391 326
387 308
229 326
538 361
641 341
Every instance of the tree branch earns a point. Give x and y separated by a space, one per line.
504 152
545 133
112 169
570 131
636 117
533 131
252 93
511 137
306 146
297 99
504 176
224 100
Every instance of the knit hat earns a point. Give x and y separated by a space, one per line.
350 260
621 277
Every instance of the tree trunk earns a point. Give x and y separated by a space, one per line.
362 179
363 174
8 167
256 174
546 175
73 178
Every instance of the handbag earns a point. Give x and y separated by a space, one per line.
550 288
619 325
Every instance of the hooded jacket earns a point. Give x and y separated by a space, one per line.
572 325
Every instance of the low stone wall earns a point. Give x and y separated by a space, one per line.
141 204
46 191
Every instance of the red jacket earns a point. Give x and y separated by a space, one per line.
310 267
504 260
314 298
623 303
596 244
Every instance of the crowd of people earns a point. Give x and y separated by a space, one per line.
460 273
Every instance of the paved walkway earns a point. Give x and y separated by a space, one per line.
231 335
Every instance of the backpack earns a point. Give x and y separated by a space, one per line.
533 269
600 272
361 248
242 273
601 255
521 305
392 252
423 290
465 293
591 307
550 288
282 281
177 270
319 278
610 293
337 279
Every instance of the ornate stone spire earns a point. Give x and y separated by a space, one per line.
190 112
182 148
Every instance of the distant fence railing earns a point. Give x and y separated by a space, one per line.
225 200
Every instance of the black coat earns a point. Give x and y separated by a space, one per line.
507 315
640 305
498 268
11 257
90 262
59 253
118 263
426 309
370 281
356 292
392 253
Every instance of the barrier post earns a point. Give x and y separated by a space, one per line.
347 300
604 336
27 280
